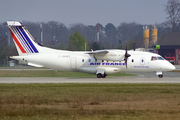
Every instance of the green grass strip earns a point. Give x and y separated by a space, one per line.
48 73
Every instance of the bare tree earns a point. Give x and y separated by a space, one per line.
173 11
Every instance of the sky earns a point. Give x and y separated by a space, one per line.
88 12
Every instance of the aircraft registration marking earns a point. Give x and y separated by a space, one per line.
64 56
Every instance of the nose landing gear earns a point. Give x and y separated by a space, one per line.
160 74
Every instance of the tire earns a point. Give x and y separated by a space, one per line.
103 76
160 76
99 75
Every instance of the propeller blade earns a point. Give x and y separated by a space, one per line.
126 62
126 57
134 46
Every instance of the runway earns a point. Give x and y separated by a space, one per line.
169 77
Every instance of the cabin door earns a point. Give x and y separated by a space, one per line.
73 63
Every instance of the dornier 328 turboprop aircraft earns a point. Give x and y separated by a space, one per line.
100 62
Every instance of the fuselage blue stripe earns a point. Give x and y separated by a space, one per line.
19 29
29 41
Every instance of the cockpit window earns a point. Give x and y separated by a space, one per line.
153 58
156 58
160 58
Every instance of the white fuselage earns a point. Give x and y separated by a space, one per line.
82 62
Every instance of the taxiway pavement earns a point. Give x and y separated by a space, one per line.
169 77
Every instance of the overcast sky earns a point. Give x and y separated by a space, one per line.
88 12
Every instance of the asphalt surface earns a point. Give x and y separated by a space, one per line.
169 77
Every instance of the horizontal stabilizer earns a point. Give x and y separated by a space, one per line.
34 65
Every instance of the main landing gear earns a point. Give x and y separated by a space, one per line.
160 76
99 75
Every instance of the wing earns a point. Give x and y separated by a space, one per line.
107 55
98 52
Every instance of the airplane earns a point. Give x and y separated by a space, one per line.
99 62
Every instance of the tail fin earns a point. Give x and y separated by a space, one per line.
23 40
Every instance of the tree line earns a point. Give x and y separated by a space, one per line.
57 35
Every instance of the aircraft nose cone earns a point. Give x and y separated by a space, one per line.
168 66
172 67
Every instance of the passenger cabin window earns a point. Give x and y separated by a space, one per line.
89 60
153 58
82 60
132 60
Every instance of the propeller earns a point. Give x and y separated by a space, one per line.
126 57
134 46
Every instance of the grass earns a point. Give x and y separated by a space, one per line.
48 73
176 71
89 101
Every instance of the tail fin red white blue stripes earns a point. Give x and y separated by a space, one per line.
24 42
